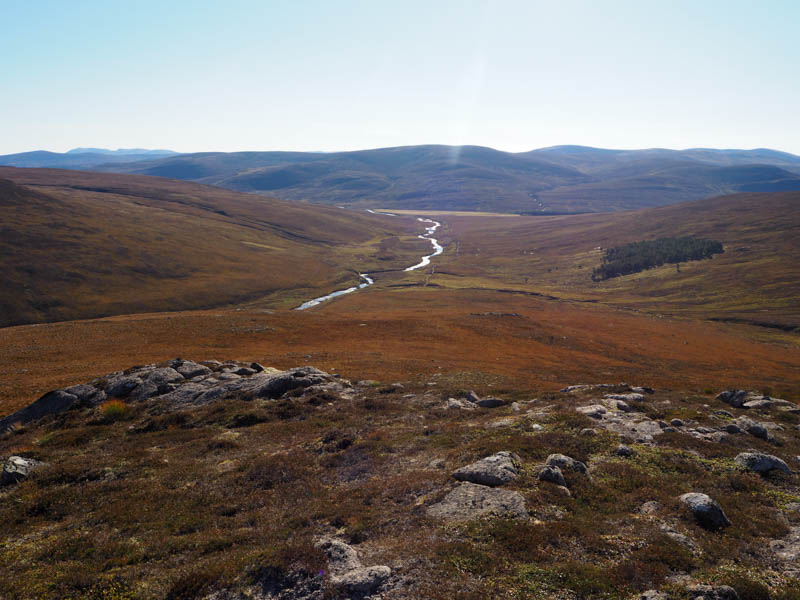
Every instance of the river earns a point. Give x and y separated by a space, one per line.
426 260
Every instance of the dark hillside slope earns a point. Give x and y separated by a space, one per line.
78 245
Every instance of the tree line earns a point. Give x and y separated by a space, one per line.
638 256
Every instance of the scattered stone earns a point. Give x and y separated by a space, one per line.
735 398
470 501
732 428
762 403
754 428
588 431
761 463
536 427
17 468
723 413
620 405
436 463
552 474
504 422
473 397
650 507
595 411
494 470
625 451
707 512
631 397
346 570
257 367
708 592
490 402
676 423
515 407
457 404
565 463
642 390
654 595
677 536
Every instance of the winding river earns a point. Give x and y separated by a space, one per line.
426 260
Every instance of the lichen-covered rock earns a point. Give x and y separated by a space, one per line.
497 469
761 463
706 511
347 572
17 468
470 501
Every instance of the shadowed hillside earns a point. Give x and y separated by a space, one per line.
80 244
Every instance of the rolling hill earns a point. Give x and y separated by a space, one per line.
77 245
754 280
561 179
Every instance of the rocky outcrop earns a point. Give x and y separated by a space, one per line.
497 469
761 463
179 384
52 403
470 501
17 468
706 511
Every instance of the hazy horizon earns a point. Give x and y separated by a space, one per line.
327 77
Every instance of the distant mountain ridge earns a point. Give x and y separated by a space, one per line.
550 180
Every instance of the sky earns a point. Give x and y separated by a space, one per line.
343 75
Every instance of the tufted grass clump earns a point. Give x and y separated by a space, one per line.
114 410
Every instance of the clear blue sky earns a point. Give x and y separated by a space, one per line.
336 75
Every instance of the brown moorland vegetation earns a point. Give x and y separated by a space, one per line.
139 502
755 280
77 245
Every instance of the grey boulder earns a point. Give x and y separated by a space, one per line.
754 428
706 511
51 403
565 463
552 474
761 463
497 469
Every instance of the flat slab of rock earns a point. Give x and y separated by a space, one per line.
497 469
706 511
761 463
471 501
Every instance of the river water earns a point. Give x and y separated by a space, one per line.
426 260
